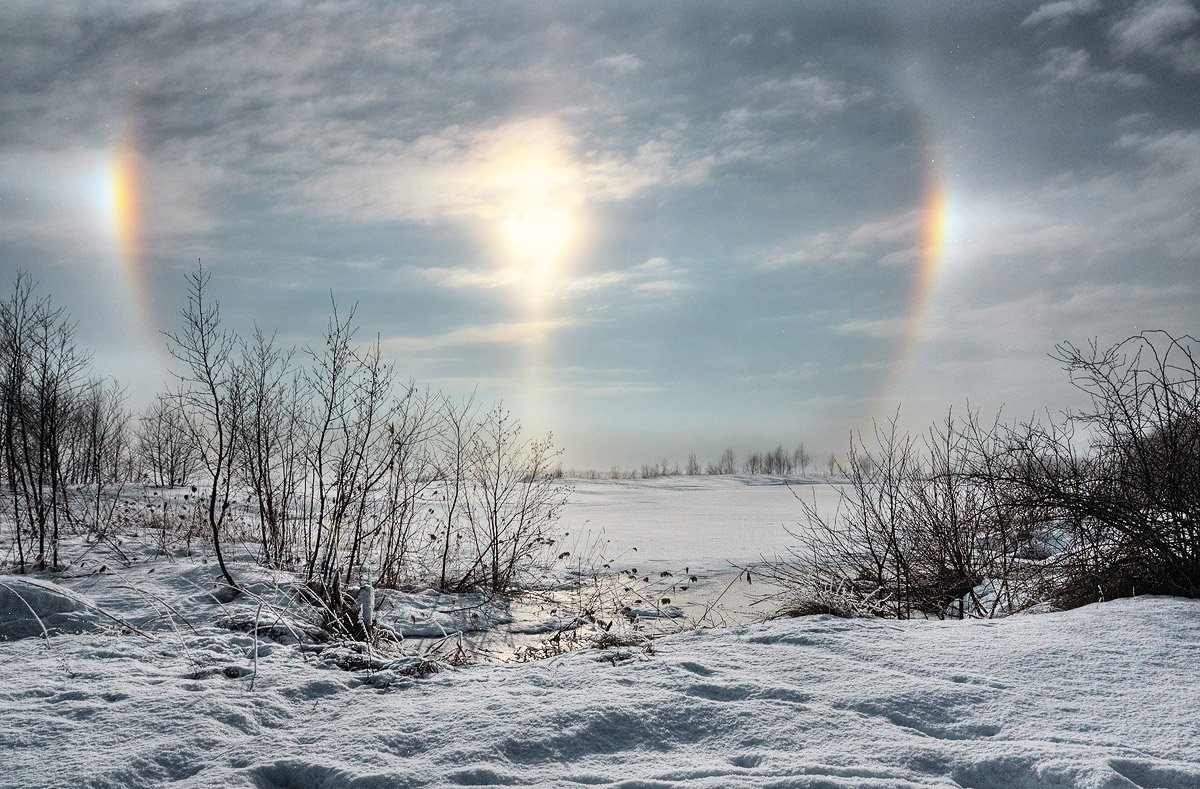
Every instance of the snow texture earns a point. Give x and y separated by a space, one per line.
1100 697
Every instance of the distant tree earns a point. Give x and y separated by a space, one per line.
164 451
727 464
693 465
780 461
801 458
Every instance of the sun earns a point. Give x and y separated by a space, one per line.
528 185
538 235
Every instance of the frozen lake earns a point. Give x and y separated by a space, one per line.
687 539
702 521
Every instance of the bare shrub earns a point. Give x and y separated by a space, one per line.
922 529
985 520
1129 503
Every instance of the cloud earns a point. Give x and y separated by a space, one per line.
464 277
889 240
623 64
1060 11
880 328
1067 69
1089 225
1159 28
656 275
1033 323
513 333
490 173
481 173
807 94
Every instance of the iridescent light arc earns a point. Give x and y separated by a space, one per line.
125 218
935 215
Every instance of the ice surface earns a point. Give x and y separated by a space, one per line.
705 522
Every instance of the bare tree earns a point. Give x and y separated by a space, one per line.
43 369
210 394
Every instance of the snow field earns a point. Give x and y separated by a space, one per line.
1105 696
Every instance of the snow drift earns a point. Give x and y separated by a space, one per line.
34 607
1103 696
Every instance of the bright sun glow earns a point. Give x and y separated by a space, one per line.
538 235
532 196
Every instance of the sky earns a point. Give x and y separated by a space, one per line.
651 228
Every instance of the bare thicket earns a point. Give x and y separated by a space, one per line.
43 375
1129 503
983 519
515 499
272 438
101 459
316 461
347 449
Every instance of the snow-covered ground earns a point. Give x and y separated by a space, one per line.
140 676
1105 696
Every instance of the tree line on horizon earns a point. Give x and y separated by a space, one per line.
772 462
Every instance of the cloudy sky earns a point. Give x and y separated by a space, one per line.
649 227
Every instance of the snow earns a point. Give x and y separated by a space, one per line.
430 614
1104 696
33 607
156 678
